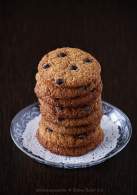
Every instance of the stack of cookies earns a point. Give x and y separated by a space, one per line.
69 90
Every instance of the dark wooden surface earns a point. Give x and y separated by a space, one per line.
30 29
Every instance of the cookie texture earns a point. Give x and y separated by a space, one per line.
60 70
47 88
71 102
81 139
69 112
67 130
69 89
71 151
93 118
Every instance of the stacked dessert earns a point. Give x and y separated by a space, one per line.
69 90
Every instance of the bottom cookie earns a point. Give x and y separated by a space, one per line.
71 151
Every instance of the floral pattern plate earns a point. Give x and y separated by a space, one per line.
117 130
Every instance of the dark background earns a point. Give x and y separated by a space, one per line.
107 29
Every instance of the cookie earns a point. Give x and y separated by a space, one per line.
69 87
67 130
71 102
70 151
43 89
78 140
69 67
69 112
94 118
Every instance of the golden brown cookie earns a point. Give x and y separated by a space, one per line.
67 130
71 102
43 89
93 118
81 139
69 112
71 151
69 87
69 67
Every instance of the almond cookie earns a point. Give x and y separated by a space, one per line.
69 67
67 130
70 151
69 112
68 141
43 89
94 118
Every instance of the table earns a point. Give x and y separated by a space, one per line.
29 30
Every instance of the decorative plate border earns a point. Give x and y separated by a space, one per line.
21 119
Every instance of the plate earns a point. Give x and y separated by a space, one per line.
116 126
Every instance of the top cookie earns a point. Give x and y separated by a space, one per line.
69 67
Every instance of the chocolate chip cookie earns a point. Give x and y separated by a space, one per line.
47 88
69 112
67 130
71 102
69 67
81 139
70 151
69 87
93 118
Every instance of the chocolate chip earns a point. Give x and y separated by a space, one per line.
49 129
87 108
73 67
60 119
56 99
59 81
82 136
87 60
92 90
62 55
46 66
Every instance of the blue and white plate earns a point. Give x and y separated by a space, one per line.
117 130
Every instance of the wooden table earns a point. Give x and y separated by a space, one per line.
27 31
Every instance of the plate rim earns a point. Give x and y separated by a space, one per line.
61 164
